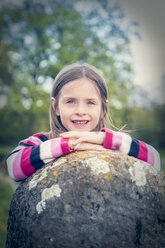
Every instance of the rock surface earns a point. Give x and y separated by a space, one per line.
89 199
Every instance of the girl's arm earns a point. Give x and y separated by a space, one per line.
118 141
34 152
131 146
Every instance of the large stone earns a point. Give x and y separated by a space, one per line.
89 199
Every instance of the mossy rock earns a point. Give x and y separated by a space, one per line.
89 199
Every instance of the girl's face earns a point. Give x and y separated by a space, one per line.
79 105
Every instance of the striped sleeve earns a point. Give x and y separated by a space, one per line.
126 144
34 152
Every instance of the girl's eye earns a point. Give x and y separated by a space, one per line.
70 101
91 103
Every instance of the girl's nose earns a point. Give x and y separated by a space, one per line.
81 109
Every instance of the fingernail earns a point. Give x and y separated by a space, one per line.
76 146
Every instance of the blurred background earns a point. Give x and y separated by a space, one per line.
38 38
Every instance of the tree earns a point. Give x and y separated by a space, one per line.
40 38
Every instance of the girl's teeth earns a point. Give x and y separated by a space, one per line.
80 122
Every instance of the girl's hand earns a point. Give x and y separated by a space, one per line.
77 137
84 146
89 147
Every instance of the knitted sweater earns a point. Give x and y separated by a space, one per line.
37 150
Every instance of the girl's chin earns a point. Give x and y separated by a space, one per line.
80 127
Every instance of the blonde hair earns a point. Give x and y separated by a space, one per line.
70 73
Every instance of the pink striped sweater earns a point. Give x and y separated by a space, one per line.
37 150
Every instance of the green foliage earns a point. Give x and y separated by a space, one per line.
7 188
146 123
37 40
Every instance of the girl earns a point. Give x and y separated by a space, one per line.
78 113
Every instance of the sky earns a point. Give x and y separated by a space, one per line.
149 52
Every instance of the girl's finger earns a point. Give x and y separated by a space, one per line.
72 134
76 146
89 146
64 134
91 138
80 140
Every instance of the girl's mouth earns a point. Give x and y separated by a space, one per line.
80 122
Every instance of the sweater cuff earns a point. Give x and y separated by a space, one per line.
108 138
65 145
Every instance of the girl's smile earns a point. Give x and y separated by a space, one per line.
79 105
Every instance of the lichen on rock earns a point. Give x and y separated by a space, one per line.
46 194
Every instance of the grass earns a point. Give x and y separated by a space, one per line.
7 189
162 154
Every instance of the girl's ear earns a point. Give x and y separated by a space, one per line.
53 101
107 102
